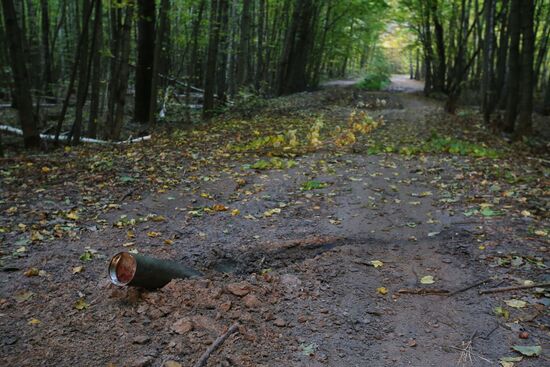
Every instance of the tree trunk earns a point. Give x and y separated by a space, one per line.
21 77
83 74
145 56
514 25
243 56
486 90
211 61
525 119
96 71
159 45
221 74
46 53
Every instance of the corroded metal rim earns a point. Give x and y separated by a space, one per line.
122 268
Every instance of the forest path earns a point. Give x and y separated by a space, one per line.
308 251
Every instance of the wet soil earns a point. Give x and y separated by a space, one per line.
293 267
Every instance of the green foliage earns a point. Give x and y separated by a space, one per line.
378 74
313 185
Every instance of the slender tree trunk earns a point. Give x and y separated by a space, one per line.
546 103
513 66
211 61
486 90
21 77
243 62
160 43
144 66
83 74
525 119
46 53
223 51
121 84
191 66
96 70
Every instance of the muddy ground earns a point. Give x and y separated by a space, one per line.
349 256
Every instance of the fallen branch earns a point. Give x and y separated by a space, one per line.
16 131
422 291
217 343
513 288
481 282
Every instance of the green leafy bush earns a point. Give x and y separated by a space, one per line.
378 74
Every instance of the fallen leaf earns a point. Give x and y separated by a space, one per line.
22 296
428 279
153 234
377 263
309 349
77 269
528 351
382 290
73 214
515 303
32 272
499 311
81 304
235 212
86 256
34 321
220 208
270 212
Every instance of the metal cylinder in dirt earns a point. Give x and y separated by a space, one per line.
146 272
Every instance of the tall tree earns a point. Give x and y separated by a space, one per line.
21 77
212 57
145 58
525 120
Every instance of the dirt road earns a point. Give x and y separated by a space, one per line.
312 259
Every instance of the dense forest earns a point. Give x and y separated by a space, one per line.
103 59
261 183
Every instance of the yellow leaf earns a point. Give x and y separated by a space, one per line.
382 290
81 304
73 214
270 212
153 234
168 242
235 212
219 208
78 269
46 169
377 263
34 321
130 234
157 218
32 272
428 279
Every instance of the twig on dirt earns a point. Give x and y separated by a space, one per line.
423 291
514 288
490 332
477 284
217 343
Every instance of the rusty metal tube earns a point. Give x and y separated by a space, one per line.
146 272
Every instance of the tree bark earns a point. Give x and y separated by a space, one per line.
159 45
211 61
514 24
145 57
21 77
96 71
525 119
